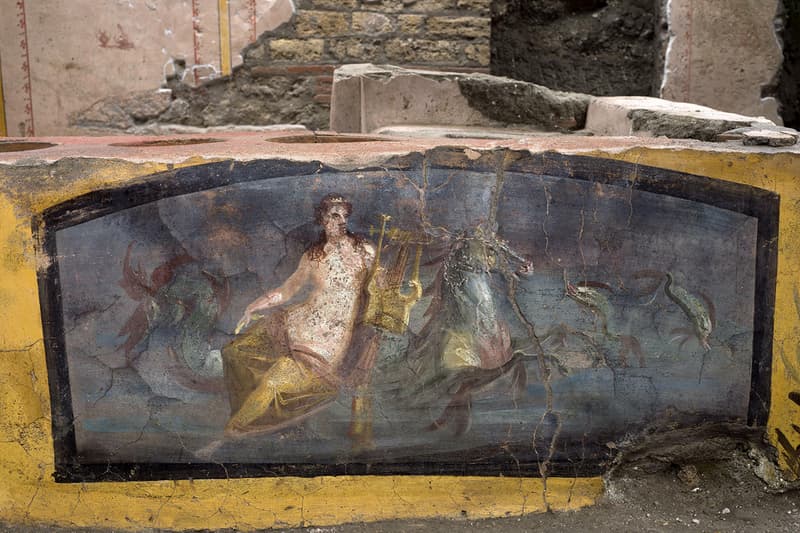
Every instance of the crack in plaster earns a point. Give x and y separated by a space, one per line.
544 369
252 505
397 494
39 483
24 348
547 199
25 431
571 490
422 195
634 179
81 490
164 503
81 315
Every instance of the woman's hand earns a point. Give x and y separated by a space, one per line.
265 302
243 322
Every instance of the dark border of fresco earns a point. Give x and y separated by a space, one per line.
70 467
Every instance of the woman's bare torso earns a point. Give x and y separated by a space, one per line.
323 323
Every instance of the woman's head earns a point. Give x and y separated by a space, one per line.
332 213
329 201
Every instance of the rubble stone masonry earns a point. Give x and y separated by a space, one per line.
290 69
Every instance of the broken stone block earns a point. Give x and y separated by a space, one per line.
120 113
764 135
105 114
645 116
767 137
367 97
146 105
180 129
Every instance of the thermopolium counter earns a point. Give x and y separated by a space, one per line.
281 329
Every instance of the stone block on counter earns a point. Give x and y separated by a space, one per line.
367 97
646 116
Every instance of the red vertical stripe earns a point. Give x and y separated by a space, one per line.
196 38
26 67
253 33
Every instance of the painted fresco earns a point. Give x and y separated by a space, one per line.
410 319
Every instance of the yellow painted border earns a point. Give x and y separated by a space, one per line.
777 172
224 37
28 494
3 125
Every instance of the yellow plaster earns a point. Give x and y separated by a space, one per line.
224 37
777 172
18 287
3 127
29 495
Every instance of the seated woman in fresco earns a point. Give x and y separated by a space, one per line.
293 361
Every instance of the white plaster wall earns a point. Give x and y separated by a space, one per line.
721 53
58 45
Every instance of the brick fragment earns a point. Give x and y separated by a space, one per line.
422 51
372 23
299 50
478 53
322 23
459 27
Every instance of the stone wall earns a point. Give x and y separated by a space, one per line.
68 69
287 73
408 32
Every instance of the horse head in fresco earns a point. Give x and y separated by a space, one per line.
466 342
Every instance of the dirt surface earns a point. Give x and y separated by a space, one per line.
599 47
653 494
723 496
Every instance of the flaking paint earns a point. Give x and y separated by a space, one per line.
29 495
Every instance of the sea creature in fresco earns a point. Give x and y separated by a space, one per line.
701 314
587 295
567 349
465 344
701 317
135 283
188 303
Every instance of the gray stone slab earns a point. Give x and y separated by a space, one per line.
367 97
645 116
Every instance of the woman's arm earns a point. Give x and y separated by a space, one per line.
299 278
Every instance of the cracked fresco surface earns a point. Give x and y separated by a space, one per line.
610 307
